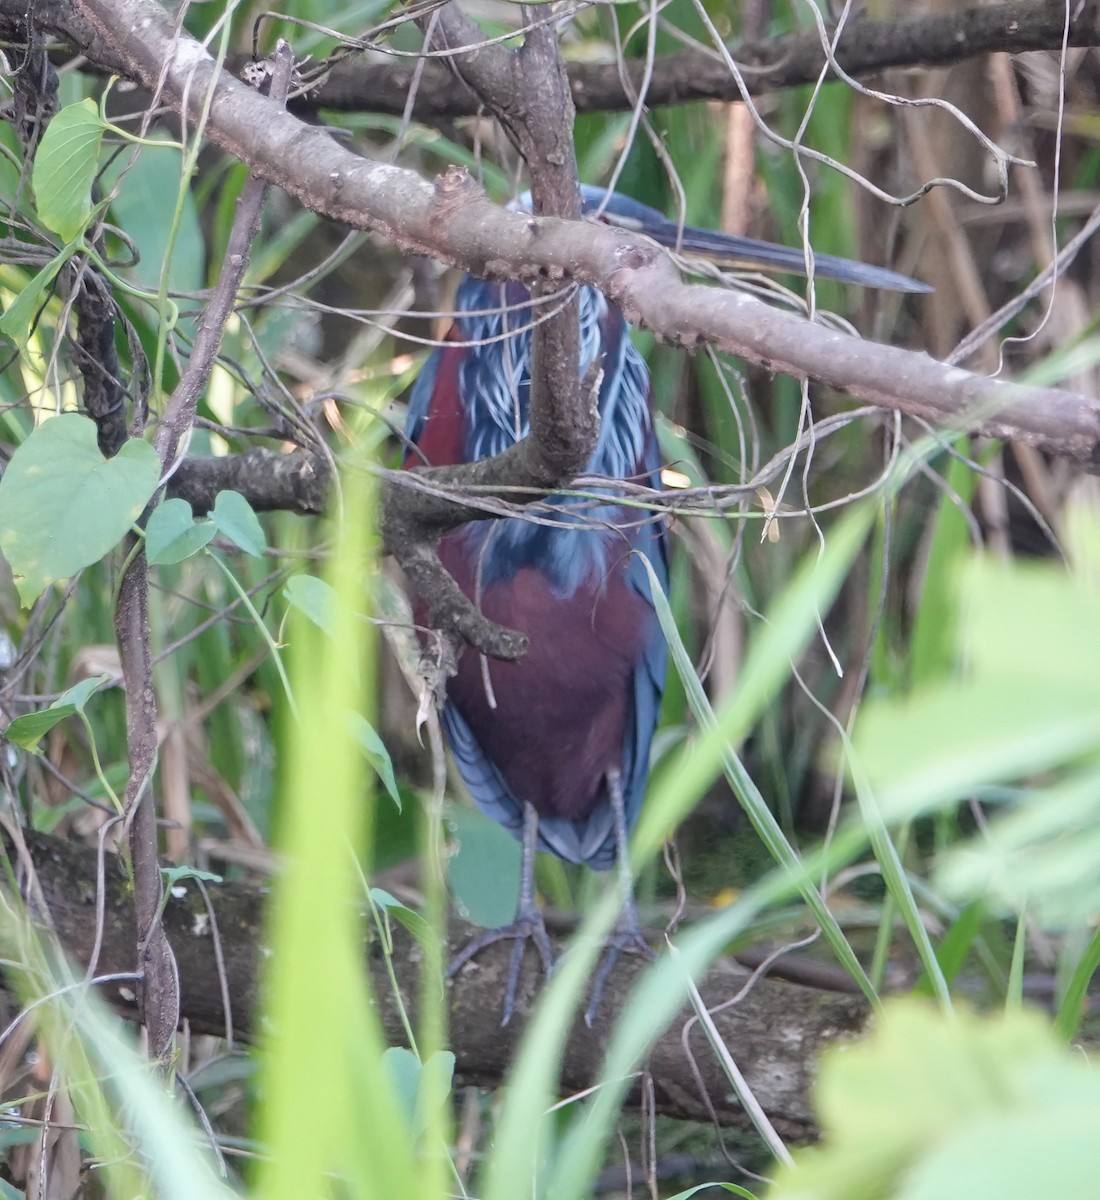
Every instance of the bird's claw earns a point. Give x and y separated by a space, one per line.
625 940
526 927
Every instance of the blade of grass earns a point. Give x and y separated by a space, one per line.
323 1060
789 627
956 943
1070 1010
893 874
737 1081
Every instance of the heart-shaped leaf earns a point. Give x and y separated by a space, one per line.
173 534
315 598
415 1085
484 871
65 166
233 516
63 506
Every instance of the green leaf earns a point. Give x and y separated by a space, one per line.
436 1076
955 945
413 922
80 693
1019 1157
377 754
983 731
174 875
7 1192
17 317
63 506
1072 1007
933 1107
396 832
235 519
16 1137
88 1043
312 597
1003 637
328 1039
402 1068
484 870
934 646
64 168
173 534
789 624
27 731
1029 702
143 181
415 1085
1041 854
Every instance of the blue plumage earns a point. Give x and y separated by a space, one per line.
567 579
556 747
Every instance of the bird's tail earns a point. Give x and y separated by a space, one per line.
729 250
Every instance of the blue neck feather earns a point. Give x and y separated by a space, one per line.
496 385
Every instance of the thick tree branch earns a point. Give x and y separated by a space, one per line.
269 481
453 222
775 1032
868 46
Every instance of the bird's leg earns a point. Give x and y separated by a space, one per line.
528 923
627 935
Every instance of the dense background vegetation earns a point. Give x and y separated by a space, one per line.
878 744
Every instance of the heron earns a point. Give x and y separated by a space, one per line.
556 747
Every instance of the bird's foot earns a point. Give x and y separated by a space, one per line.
527 927
627 939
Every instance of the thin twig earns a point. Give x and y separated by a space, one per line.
179 414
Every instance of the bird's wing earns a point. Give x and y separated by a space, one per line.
485 783
629 450
649 675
